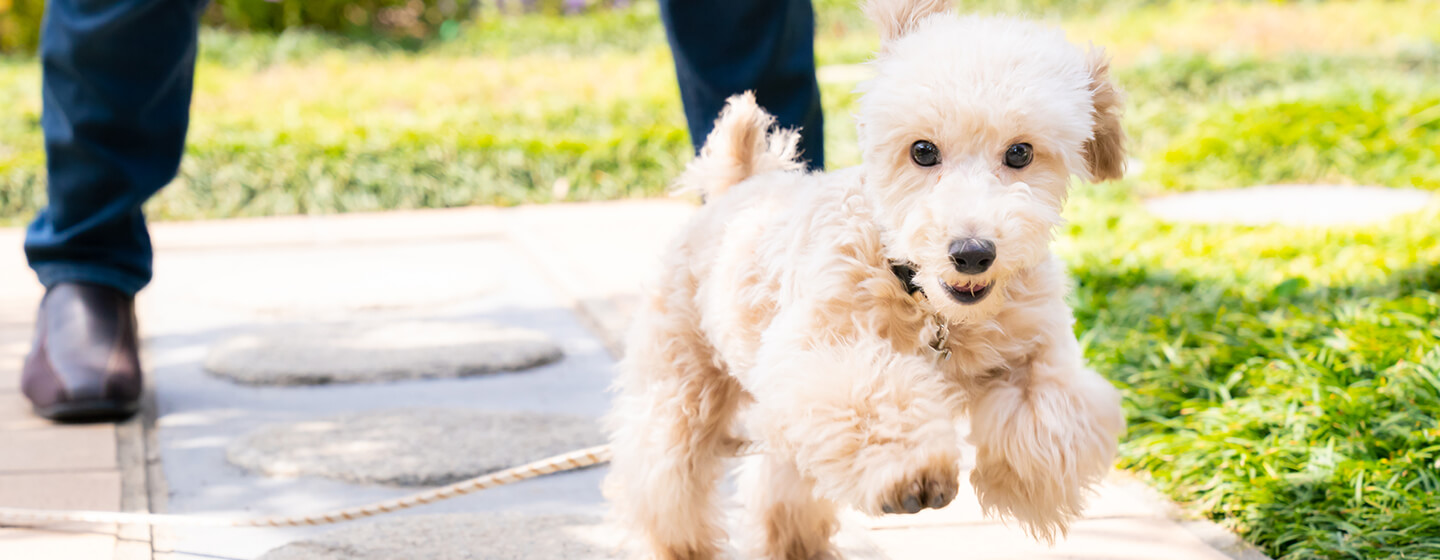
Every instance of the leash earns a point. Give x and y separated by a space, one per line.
573 460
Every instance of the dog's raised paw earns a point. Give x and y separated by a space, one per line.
932 487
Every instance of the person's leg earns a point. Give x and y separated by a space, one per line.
722 48
117 79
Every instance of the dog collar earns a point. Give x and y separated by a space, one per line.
905 272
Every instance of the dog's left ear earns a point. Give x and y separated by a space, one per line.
896 18
1105 152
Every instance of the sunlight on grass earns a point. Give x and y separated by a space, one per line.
1133 29
1284 382
1265 28
1388 136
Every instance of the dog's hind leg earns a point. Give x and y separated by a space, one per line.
786 521
671 431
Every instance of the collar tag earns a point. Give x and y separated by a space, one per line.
941 345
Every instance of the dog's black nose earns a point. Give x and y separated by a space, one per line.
972 256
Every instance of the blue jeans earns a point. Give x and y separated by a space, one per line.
723 48
118 76
117 81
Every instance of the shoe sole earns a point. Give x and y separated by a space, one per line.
89 411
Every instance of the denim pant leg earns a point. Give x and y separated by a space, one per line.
117 76
724 47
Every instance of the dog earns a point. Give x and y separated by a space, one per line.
850 320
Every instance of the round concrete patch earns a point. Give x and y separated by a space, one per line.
411 447
374 352
475 536
1294 205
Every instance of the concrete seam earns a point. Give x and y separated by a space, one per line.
132 542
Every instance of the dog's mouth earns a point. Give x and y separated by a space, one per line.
967 293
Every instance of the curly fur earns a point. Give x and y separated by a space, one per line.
778 318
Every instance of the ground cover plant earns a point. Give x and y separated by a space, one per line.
1282 381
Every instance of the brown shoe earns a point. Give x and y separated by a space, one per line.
84 365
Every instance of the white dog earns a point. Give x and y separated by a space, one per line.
810 311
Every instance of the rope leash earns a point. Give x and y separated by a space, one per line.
579 459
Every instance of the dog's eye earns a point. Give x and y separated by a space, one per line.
1019 155
924 153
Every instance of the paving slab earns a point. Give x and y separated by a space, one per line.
411 447
14 345
19 291
1089 539
1293 205
376 351
98 490
57 545
46 466
601 255
336 279
15 412
499 536
320 230
58 448
200 415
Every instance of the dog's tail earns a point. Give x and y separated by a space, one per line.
744 143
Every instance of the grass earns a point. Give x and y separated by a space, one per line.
1284 382
1208 121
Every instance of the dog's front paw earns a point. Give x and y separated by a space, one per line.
933 486
1040 450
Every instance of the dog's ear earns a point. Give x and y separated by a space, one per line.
1105 152
895 18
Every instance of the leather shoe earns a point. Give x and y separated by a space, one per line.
84 364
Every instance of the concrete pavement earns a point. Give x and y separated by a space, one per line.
571 272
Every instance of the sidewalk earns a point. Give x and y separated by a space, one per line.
62 467
568 272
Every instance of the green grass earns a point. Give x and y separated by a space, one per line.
1383 136
322 130
1284 382
1215 121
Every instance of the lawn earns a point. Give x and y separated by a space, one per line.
1284 382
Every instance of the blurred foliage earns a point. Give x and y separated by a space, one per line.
1372 135
1218 121
413 19
407 23
1199 118
20 24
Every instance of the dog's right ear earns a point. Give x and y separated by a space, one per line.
1105 151
896 18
